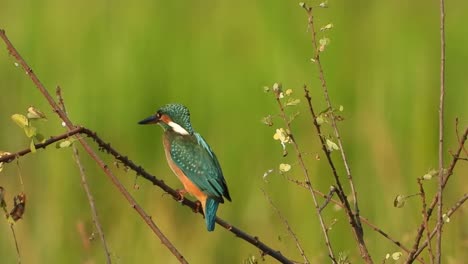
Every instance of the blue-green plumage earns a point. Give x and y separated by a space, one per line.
192 159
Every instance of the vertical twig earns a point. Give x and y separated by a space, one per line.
84 183
452 210
422 193
358 234
332 115
288 227
16 243
355 221
419 233
307 178
441 133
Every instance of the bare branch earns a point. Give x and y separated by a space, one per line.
441 134
306 175
455 159
450 212
148 220
288 227
86 187
422 193
74 130
357 228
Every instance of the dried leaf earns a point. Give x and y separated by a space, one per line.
20 204
34 113
399 201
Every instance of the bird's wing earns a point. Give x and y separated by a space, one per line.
198 162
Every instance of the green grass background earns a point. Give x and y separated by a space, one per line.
118 61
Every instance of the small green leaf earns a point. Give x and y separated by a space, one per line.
284 167
64 144
326 27
324 41
430 174
324 4
320 120
20 120
331 146
289 92
292 102
32 146
266 89
396 255
30 131
399 201
341 108
446 218
277 87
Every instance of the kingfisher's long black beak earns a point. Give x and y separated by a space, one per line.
150 120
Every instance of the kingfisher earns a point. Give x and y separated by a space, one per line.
191 159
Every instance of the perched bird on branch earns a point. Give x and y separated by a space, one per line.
191 159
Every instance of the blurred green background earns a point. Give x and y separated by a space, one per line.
118 61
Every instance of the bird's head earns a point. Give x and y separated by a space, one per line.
171 116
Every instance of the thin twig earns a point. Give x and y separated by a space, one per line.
334 124
288 227
148 220
455 159
363 219
450 212
441 134
306 175
458 136
356 228
16 243
11 157
86 187
422 193
254 240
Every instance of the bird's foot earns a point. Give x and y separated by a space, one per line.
181 193
197 208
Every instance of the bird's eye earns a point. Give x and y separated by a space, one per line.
158 115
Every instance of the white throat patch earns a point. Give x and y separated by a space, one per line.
177 128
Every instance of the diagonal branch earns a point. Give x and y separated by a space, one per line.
74 130
450 212
455 159
86 187
356 227
288 228
148 220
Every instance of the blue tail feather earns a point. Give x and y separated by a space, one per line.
210 213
